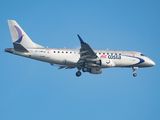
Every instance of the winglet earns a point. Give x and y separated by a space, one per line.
80 39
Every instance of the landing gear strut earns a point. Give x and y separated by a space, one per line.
134 69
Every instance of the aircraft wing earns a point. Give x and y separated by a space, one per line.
62 66
86 53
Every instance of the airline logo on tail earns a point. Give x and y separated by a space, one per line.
19 35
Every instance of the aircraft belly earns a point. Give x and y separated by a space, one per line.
64 60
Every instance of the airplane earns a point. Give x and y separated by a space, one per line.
85 58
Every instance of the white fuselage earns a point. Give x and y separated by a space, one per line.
70 57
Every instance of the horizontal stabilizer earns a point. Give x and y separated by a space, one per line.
19 47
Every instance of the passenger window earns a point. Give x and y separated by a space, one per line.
99 53
107 53
111 53
71 52
58 51
103 53
54 51
119 53
62 52
66 52
115 53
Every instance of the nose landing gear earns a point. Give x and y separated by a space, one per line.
134 69
134 74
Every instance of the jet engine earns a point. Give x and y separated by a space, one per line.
107 63
103 63
92 70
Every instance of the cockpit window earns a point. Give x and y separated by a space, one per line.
142 55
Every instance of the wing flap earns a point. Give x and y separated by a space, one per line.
62 66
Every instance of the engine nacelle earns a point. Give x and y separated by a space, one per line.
92 70
107 63
96 70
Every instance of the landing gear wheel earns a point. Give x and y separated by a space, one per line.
78 73
134 74
84 69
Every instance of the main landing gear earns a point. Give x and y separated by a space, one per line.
78 73
134 69
84 69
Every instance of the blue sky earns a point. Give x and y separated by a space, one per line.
31 90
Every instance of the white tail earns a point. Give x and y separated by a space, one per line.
20 38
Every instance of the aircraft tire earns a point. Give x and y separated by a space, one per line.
134 74
84 69
78 73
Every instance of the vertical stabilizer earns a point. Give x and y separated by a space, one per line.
20 39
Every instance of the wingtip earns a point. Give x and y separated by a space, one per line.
80 39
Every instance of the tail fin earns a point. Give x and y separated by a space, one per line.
20 39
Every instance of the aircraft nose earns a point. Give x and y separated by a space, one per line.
152 63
